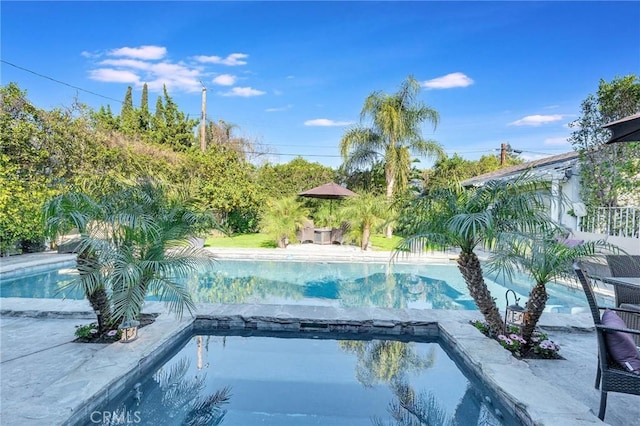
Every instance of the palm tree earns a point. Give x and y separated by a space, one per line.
476 218
78 211
545 258
394 136
133 241
282 219
365 212
148 250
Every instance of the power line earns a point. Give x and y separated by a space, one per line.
58 81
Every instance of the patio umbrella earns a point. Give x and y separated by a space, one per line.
625 130
329 191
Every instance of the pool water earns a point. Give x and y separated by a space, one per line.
427 286
304 381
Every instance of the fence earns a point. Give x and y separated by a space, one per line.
615 221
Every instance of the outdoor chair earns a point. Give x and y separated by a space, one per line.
306 233
338 235
627 295
624 265
611 375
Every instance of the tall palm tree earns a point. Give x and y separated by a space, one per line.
394 136
477 218
364 213
545 258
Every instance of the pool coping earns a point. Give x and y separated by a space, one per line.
531 399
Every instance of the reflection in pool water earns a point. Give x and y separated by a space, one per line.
333 284
253 380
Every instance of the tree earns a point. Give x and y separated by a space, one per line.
21 203
472 218
607 172
545 257
365 213
75 210
145 116
454 170
129 117
175 128
394 136
282 218
292 178
132 242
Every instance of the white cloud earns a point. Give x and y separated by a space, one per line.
244 92
325 122
142 52
144 64
536 120
174 76
225 80
556 141
231 60
114 76
127 63
277 92
278 109
456 79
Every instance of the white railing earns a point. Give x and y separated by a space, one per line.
615 221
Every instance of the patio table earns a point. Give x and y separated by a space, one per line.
322 235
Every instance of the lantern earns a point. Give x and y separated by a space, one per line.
514 315
129 330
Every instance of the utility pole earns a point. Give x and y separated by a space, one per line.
203 119
503 154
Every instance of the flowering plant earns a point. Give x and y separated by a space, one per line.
90 332
540 343
512 342
544 347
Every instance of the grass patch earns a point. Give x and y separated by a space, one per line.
382 243
241 241
379 242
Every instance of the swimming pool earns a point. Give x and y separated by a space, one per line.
428 286
292 379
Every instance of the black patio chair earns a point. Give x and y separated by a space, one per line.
610 375
625 266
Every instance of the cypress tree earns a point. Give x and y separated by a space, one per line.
128 118
145 117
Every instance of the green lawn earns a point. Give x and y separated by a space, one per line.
382 243
241 241
379 242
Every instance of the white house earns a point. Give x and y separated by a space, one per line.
619 226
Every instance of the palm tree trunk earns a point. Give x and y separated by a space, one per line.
98 299
366 234
535 307
100 304
388 230
469 266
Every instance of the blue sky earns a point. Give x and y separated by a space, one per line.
294 75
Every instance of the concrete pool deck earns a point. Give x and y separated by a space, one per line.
46 379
